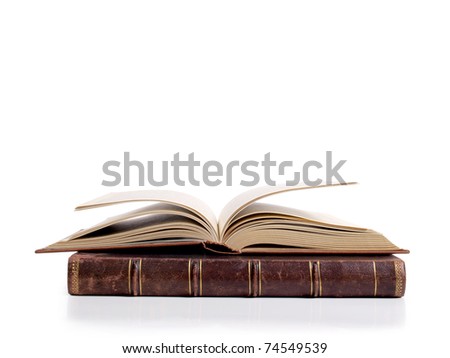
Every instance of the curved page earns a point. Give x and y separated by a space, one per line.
276 211
243 200
166 196
153 209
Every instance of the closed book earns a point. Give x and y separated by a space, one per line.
197 275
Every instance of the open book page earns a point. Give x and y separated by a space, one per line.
137 232
257 211
151 211
183 200
243 200
270 227
297 236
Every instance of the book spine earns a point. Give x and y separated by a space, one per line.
250 277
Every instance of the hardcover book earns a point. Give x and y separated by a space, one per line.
236 275
244 226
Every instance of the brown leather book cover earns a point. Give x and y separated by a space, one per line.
236 275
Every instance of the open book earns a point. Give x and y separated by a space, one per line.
244 225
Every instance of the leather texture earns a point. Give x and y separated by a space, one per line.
132 274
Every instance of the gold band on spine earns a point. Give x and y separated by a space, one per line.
249 279
398 267
201 284
260 277
140 277
320 278
129 276
311 279
189 277
375 279
75 269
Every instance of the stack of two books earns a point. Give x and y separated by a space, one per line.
176 247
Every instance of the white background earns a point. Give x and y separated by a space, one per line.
82 82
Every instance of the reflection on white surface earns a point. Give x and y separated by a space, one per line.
160 311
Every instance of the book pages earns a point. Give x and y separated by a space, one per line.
243 200
184 200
